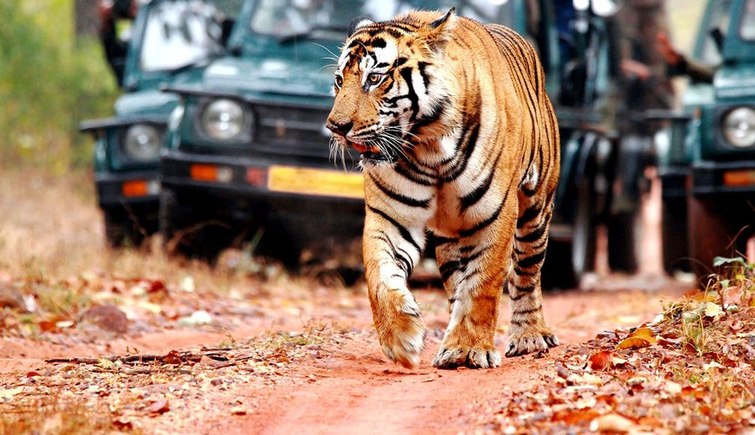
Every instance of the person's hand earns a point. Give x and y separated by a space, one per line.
670 55
632 68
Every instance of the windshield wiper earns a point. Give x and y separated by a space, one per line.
309 33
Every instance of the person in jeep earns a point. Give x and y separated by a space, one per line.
114 42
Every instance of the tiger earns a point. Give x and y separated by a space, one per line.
458 143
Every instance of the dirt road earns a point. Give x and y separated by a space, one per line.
354 389
320 369
281 354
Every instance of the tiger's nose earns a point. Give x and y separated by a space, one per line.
339 127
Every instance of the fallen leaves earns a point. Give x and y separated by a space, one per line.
238 410
614 423
641 337
175 385
95 306
106 317
8 393
159 406
600 360
691 371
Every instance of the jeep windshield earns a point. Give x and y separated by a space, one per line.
181 33
329 19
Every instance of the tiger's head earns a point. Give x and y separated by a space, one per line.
391 89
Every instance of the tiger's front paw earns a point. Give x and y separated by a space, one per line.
475 358
523 341
400 329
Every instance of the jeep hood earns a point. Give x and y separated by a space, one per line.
271 77
149 99
735 82
150 102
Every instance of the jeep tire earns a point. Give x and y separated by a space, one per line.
187 231
712 228
623 241
674 235
568 260
121 230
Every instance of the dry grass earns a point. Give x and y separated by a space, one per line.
51 229
61 417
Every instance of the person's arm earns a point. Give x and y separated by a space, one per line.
679 65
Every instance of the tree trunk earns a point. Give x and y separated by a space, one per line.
87 20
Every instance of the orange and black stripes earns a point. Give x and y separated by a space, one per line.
458 139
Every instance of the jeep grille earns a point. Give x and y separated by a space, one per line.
292 131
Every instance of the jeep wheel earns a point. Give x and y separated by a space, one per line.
567 261
121 230
674 239
279 244
712 227
623 241
188 231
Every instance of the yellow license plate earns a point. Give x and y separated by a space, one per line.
315 182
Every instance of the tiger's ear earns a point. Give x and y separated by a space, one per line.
357 23
438 32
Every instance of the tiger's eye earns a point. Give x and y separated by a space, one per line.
374 78
339 81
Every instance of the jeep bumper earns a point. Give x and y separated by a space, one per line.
729 178
141 188
251 189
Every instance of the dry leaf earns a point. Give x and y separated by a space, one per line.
156 286
633 343
172 357
612 423
586 378
238 410
644 332
574 417
123 424
600 360
641 337
105 363
672 388
48 325
712 310
187 284
8 393
160 406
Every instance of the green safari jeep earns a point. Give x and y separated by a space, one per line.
707 168
171 42
248 154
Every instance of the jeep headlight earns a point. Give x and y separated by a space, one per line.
142 143
739 127
224 119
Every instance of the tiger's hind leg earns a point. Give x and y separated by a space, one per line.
528 332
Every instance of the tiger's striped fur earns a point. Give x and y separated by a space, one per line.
458 138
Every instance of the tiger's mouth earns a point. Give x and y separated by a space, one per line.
364 149
370 153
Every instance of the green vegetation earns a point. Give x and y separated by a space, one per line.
49 82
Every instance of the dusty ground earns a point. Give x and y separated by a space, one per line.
243 348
